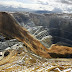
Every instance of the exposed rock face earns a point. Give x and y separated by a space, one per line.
30 54
46 35
7 43
10 28
59 26
19 59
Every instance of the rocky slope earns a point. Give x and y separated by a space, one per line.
56 34
18 58
59 26
52 30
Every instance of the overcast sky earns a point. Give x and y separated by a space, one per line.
50 5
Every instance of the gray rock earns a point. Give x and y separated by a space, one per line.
59 25
7 43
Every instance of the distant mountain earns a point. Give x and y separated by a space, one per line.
20 9
12 9
42 11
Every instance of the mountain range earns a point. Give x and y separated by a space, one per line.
20 9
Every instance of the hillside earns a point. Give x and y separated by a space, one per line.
59 26
33 42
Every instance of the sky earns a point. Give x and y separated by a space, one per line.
50 5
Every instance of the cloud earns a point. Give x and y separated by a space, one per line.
10 3
57 10
34 5
50 5
66 1
64 6
17 4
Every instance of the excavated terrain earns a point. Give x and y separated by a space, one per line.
35 43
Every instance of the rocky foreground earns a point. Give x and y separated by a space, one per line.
17 56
